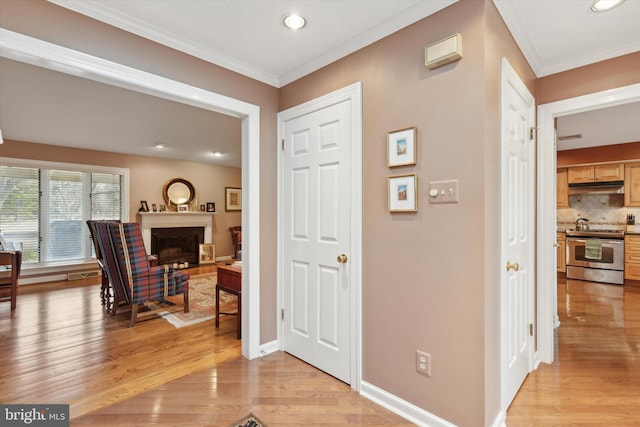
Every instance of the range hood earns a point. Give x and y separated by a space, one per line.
608 187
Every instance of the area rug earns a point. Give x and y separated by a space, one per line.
249 421
202 303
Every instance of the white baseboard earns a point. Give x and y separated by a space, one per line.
401 407
270 347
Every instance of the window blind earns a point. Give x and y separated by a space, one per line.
47 209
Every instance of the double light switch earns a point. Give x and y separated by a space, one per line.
443 191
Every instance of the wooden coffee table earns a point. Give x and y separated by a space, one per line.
230 281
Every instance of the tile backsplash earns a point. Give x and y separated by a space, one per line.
602 211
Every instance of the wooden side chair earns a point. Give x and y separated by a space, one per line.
236 239
133 279
106 292
14 259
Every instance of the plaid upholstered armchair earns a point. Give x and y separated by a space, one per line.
126 263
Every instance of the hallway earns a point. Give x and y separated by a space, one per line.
595 378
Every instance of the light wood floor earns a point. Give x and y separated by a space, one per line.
595 380
59 347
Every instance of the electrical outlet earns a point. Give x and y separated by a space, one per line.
423 362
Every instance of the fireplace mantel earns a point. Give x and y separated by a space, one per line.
149 220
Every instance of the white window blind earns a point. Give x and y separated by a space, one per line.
46 209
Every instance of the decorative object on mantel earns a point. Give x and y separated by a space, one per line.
211 207
233 199
183 208
154 207
163 208
202 208
403 193
178 191
144 207
401 147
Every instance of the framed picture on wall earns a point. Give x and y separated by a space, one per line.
401 147
211 207
403 193
233 199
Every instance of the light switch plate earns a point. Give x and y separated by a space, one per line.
443 191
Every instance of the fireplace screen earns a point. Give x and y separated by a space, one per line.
177 244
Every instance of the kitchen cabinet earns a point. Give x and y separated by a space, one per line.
562 191
561 239
596 173
632 184
608 172
632 257
562 252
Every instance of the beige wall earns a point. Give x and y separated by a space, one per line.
434 283
610 74
147 176
46 21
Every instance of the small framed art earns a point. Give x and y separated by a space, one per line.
207 253
233 199
144 206
183 208
211 207
401 147
403 193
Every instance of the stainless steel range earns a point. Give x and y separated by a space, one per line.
596 255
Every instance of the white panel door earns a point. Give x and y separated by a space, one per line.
316 194
517 232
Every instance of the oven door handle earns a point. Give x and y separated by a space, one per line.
604 241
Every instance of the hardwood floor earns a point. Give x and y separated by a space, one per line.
59 347
595 379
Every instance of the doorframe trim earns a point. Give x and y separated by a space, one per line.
352 93
546 202
22 48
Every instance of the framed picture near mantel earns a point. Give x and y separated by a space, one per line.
207 253
401 147
403 193
233 199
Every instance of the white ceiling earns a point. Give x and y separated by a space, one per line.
246 36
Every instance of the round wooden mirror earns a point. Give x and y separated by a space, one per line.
178 191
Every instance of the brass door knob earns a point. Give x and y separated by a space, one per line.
342 258
514 266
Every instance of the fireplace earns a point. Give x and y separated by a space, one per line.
178 220
177 244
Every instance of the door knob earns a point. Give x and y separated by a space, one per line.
514 266
342 258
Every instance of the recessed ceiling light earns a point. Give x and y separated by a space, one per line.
217 154
159 145
604 5
293 21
